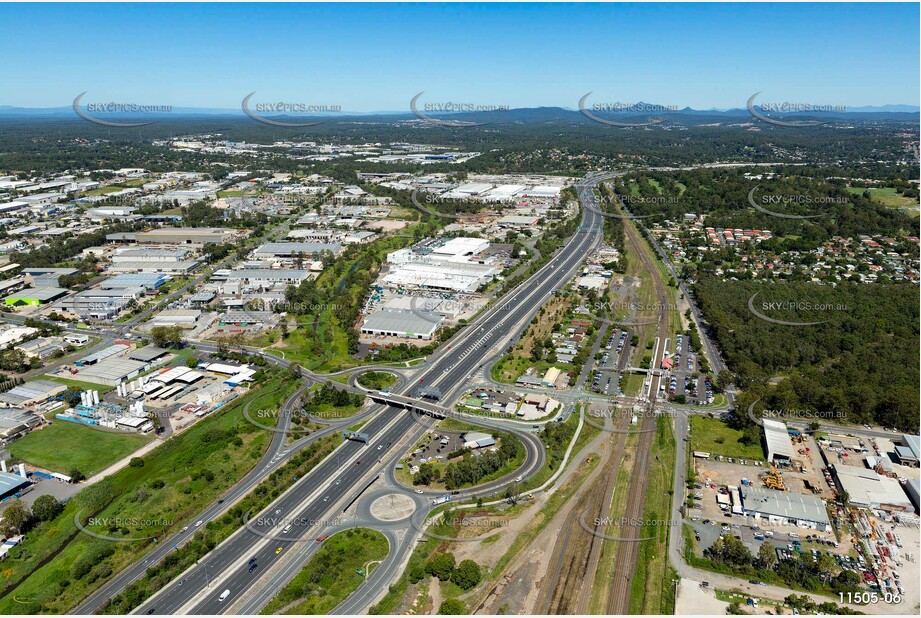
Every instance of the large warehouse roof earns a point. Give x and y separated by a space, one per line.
784 504
777 440
37 390
403 322
868 489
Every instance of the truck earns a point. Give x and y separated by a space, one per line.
441 499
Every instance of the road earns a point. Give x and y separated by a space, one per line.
449 369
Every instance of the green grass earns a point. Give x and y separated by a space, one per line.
377 380
632 383
222 443
83 386
714 436
63 446
887 196
330 576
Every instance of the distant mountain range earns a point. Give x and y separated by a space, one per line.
525 115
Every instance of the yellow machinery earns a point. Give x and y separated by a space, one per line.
774 480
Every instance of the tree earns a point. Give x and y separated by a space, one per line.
16 517
441 566
467 574
452 607
75 475
766 556
46 508
166 336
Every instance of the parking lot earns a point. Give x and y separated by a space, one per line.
684 378
615 352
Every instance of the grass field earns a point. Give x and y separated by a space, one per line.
84 386
714 436
176 478
331 575
63 446
886 196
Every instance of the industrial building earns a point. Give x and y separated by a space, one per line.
785 508
867 489
776 442
909 451
262 276
184 318
112 370
12 484
34 296
32 393
291 250
402 323
15 422
177 236
148 354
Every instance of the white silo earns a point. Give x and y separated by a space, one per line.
95 398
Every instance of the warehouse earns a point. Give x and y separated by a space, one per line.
263 275
112 350
785 508
32 393
186 235
867 489
909 451
111 371
776 442
148 354
519 221
550 378
456 277
15 422
272 250
34 297
12 484
151 281
184 318
402 323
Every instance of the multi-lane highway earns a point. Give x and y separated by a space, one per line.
228 567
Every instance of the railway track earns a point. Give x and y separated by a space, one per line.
625 565
566 587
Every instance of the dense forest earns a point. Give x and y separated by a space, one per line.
860 362
546 140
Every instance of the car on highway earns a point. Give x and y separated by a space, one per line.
320 538
380 446
279 550
519 479
224 595
198 523
419 491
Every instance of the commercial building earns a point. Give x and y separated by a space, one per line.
776 442
263 276
402 323
151 281
476 439
785 508
867 489
184 318
550 378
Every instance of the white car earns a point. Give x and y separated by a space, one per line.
419 491
198 523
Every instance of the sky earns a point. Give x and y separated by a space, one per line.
376 57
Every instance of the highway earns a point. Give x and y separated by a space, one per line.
310 500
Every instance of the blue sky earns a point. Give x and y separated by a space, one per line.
377 57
